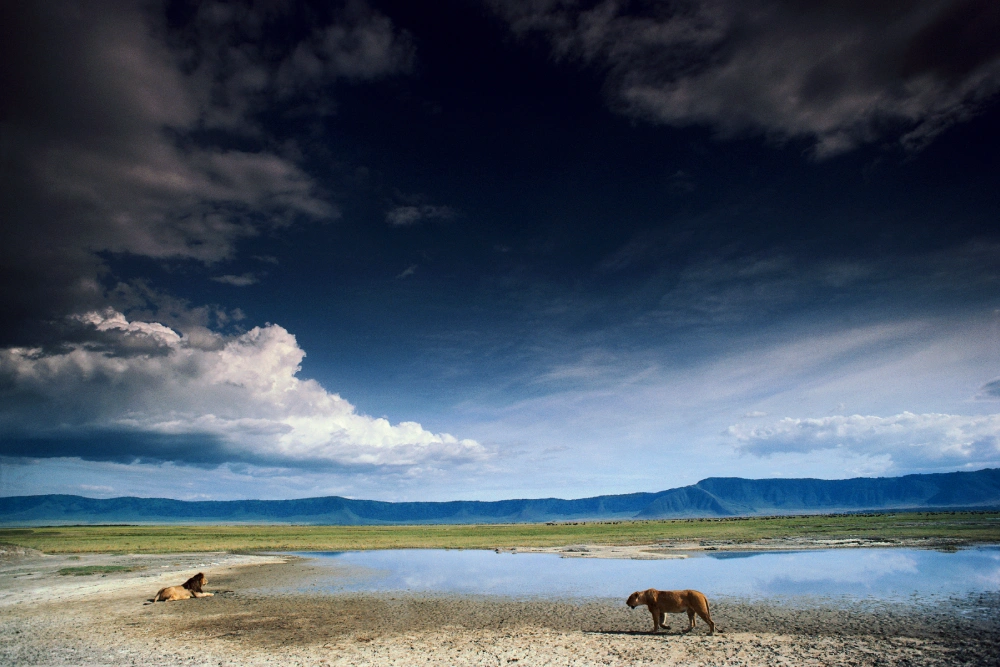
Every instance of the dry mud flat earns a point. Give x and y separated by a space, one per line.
249 623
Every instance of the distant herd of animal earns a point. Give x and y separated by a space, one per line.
659 603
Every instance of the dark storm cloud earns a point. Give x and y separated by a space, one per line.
119 447
125 135
361 45
251 58
836 74
203 450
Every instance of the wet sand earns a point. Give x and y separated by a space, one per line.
48 619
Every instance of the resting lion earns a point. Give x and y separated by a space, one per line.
661 603
189 589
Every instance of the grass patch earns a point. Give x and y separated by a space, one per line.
96 569
965 527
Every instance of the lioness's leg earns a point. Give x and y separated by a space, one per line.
656 617
708 620
663 620
691 621
706 616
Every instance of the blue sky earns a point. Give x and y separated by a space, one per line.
485 250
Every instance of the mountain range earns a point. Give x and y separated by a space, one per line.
712 497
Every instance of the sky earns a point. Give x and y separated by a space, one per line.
495 249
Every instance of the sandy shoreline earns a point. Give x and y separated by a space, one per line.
673 549
48 619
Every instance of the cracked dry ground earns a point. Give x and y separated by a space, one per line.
254 626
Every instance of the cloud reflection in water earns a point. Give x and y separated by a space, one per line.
851 573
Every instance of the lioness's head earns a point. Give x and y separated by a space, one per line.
634 600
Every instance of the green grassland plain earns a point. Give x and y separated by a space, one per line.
956 528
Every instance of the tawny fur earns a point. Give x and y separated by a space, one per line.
189 589
661 603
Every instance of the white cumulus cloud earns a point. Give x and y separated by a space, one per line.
140 390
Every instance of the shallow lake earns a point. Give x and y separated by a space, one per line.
885 574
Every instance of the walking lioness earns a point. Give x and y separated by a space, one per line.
661 603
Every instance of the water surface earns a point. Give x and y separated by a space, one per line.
886 574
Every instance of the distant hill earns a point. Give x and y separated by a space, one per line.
712 497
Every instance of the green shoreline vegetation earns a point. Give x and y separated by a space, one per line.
958 528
